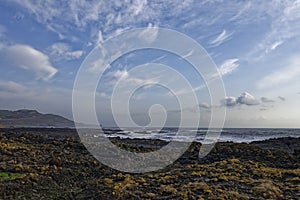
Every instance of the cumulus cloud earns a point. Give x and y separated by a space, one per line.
204 105
222 37
244 99
247 99
62 51
229 101
266 100
28 58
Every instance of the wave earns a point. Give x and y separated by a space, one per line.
198 135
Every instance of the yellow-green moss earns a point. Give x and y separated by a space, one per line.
10 176
267 189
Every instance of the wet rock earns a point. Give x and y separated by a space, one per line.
55 161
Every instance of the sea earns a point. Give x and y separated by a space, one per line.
238 135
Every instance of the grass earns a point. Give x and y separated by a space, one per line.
9 176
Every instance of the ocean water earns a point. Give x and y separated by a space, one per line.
238 135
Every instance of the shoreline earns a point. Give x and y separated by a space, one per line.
46 166
63 132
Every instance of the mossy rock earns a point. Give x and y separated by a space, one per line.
267 189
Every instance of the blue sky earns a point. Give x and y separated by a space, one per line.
255 45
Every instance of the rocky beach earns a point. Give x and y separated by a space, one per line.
41 163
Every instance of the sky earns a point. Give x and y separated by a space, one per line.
254 44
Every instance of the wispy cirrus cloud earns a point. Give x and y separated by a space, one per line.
281 76
221 38
63 18
150 33
228 66
111 16
62 51
274 46
284 18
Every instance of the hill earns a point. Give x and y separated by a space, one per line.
32 118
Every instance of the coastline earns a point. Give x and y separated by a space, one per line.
52 164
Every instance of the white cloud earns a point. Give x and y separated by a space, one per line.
188 54
284 18
229 101
204 105
100 37
120 30
247 99
222 37
150 33
120 74
62 51
62 17
102 95
111 15
276 44
158 59
108 16
273 46
244 99
11 87
137 6
127 79
242 11
281 76
228 66
75 54
28 58
78 7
